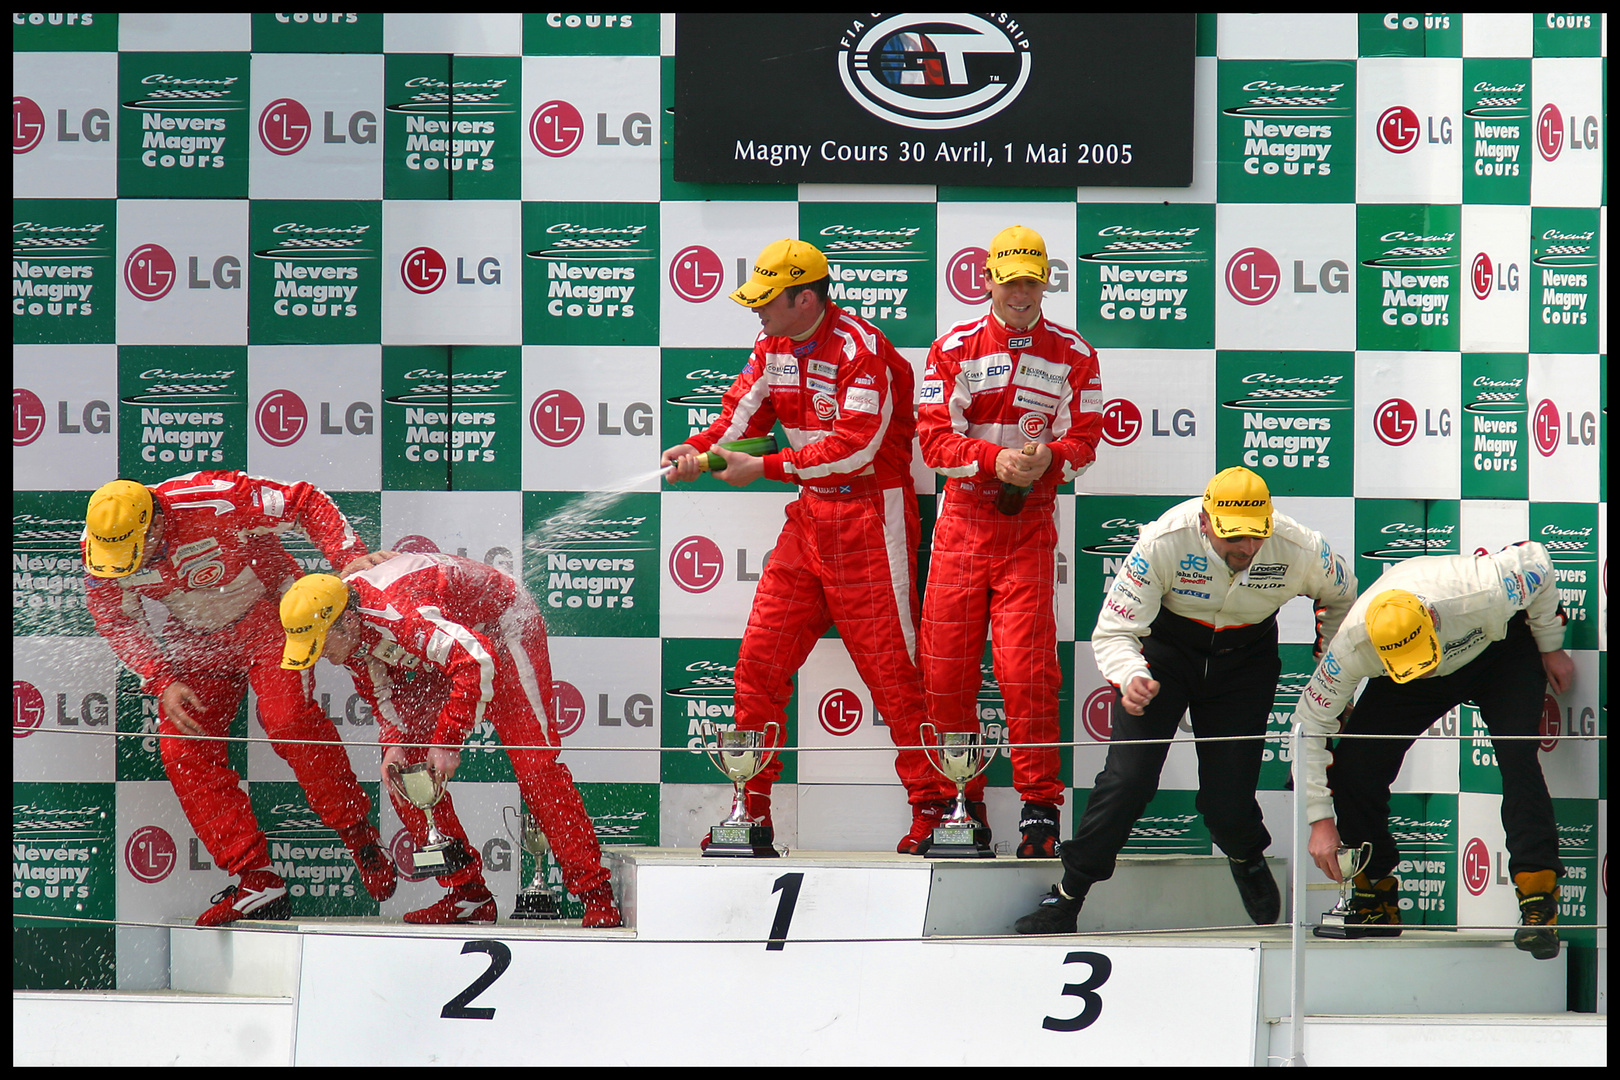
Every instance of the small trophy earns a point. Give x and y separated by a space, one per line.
420 786
1352 861
535 900
961 757
742 755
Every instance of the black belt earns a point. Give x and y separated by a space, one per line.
1192 634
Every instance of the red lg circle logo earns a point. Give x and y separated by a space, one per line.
150 854
1398 129
1552 722
27 416
1252 276
403 848
695 274
1122 422
964 275
27 709
556 418
1550 132
1476 866
840 711
1545 426
284 126
695 564
1482 276
27 125
281 417
415 545
556 129
570 708
1395 421
422 270
1097 714
149 272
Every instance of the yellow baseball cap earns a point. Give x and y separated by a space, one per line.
784 263
1402 630
115 525
308 610
1017 251
1238 503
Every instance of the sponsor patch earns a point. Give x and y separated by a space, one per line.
865 401
1021 342
1042 374
1026 398
823 368
1032 425
1267 571
819 386
932 393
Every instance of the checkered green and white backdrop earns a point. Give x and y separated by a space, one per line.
439 266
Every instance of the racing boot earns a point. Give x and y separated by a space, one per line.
924 816
600 910
1375 910
1058 914
1039 826
261 895
376 868
1257 888
1538 913
469 903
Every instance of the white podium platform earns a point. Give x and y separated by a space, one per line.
835 958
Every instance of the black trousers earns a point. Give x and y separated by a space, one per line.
1508 684
1228 680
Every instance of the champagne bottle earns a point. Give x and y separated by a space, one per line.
712 462
1011 499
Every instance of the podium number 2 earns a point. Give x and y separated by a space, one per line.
499 957
1101 968
788 886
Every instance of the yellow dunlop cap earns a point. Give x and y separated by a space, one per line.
1402 630
115 526
1017 251
1238 504
308 610
784 263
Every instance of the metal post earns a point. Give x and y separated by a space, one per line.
1296 1047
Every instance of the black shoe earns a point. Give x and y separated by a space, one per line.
1039 826
1375 911
1538 912
1258 889
1057 915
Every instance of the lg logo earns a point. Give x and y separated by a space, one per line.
695 273
281 418
557 418
27 709
285 127
1552 722
150 854
1485 275
149 272
1396 422
1550 133
28 125
695 564
1548 426
1097 714
1253 276
1398 129
28 417
423 270
570 708
840 712
1122 423
557 129
1476 866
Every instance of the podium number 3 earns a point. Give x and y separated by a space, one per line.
1101 968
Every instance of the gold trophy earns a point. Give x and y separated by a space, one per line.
535 900
962 756
1352 861
420 786
742 755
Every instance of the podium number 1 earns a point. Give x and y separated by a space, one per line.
788 886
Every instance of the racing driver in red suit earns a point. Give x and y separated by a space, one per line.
206 546
848 552
1008 398
437 643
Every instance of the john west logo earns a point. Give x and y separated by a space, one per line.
1253 276
1552 428
1122 423
150 272
934 72
964 276
557 418
557 129
285 127
1396 422
28 125
1551 134
423 270
281 418
1401 540
29 417
1399 130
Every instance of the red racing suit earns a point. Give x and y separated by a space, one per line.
848 552
987 388
480 643
220 571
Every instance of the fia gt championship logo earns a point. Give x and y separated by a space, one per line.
934 72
